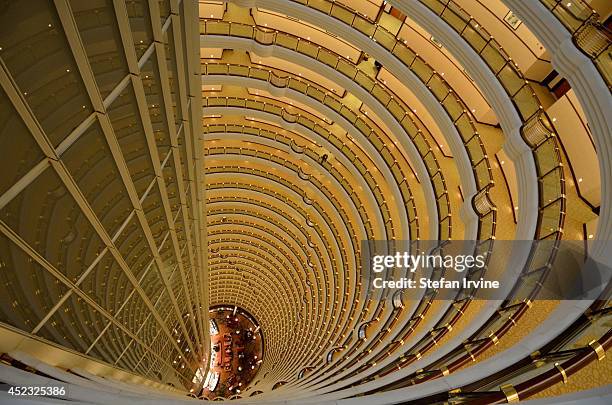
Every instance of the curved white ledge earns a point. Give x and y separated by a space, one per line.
449 131
518 151
594 96
346 126
596 396
271 117
560 319
247 137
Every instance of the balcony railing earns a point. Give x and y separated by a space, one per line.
518 89
456 109
589 35
374 135
310 123
454 106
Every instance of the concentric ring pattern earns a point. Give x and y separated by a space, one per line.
142 186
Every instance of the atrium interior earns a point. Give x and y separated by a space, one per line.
187 187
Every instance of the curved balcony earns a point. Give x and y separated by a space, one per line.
301 119
588 33
518 90
459 114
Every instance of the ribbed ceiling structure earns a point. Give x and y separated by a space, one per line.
102 215
145 180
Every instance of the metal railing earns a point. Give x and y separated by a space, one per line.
518 89
588 33
373 134
455 108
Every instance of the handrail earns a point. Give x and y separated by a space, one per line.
257 72
233 101
588 33
566 362
302 120
519 90
538 125
456 109
410 210
538 136
431 80
331 100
